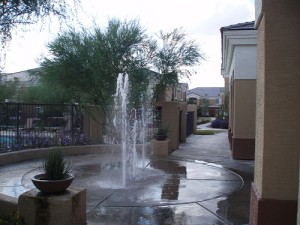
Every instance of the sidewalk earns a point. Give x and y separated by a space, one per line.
215 150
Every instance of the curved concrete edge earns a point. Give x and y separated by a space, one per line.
39 153
8 205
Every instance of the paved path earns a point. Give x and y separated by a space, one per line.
198 184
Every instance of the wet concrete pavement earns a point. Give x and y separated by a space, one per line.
198 184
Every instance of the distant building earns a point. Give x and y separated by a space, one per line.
18 81
25 78
174 93
207 99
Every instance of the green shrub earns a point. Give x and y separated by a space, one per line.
55 166
162 131
14 219
219 123
204 132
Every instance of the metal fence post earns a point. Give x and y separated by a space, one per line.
72 120
18 121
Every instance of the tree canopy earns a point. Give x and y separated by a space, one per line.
175 57
8 90
86 63
15 13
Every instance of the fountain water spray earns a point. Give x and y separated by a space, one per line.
131 128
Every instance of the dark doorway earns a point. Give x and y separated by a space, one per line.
189 123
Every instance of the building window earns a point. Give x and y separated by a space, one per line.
192 101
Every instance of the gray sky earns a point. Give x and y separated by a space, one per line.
200 19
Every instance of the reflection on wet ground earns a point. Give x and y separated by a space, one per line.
185 188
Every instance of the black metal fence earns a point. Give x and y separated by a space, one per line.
39 125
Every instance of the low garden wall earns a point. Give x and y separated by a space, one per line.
40 153
8 204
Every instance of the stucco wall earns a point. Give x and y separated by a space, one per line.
244 107
260 96
170 120
278 121
8 205
92 126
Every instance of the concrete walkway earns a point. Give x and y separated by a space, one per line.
199 184
215 149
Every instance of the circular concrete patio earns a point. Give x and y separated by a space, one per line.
183 188
162 183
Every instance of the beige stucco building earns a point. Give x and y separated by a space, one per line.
239 47
275 190
174 93
175 114
207 99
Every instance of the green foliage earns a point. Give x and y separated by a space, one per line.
204 107
174 57
139 84
42 93
15 13
37 93
55 166
175 53
162 131
86 64
8 90
204 132
15 219
225 105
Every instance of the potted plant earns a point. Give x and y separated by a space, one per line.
56 176
161 134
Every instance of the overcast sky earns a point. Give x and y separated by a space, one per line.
200 19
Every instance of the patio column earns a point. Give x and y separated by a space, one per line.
274 192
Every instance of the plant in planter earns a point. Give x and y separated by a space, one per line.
56 176
161 134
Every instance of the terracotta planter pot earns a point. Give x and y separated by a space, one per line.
51 186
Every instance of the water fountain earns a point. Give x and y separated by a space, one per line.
131 129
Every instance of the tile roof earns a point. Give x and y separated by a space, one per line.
239 26
206 91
